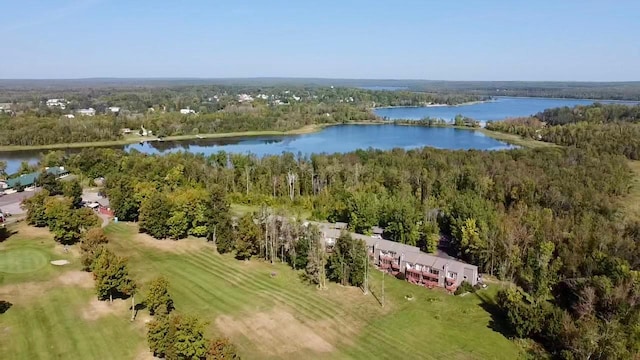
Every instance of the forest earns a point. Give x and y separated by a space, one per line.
611 129
545 219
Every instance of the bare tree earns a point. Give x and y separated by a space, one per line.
291 179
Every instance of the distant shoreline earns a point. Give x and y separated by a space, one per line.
434 105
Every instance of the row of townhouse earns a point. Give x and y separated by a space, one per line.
418 267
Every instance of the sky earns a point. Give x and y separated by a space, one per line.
541 40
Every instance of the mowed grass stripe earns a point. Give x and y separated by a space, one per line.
312 304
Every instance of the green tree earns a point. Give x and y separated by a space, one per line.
62 220
49 182
35 206
73 190
158 299
178 225
347 261
218 222
221 349
247 237
92 242
186 334
154 216
112 276
122 199
158 335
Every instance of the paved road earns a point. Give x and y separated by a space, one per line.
11 203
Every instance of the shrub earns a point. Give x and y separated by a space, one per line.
464 287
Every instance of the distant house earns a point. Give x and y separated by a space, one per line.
245 98
61 103
87 112
5 107
187 111
113 109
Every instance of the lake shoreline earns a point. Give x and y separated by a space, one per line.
307 129
433 105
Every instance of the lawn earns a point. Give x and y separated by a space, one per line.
265 309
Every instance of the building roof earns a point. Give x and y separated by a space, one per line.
30 178
411 254
24 180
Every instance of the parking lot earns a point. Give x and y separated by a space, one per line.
11 203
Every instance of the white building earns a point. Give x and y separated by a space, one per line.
187 111
61 103
87 112
245 98
113 109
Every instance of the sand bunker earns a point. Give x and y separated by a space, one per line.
59 262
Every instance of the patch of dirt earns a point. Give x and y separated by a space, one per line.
177 246
29 290
76 278
32 290
97 309
278 332
145 354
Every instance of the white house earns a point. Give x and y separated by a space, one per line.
5 107
187 111
87 112
113 109
245 98
61 103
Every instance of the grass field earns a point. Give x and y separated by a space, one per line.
265 309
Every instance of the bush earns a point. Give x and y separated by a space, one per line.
464 287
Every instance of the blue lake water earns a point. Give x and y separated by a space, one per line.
498 109
346 138
333 139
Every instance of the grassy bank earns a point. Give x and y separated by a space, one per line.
265 309
516 139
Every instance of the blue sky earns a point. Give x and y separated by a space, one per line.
440 40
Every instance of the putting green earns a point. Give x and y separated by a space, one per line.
20 261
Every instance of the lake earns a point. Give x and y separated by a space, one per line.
498 109
333 139
346 138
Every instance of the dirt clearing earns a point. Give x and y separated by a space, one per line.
97 309
277 332
176 246
32 290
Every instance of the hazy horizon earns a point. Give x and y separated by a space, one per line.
568 41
